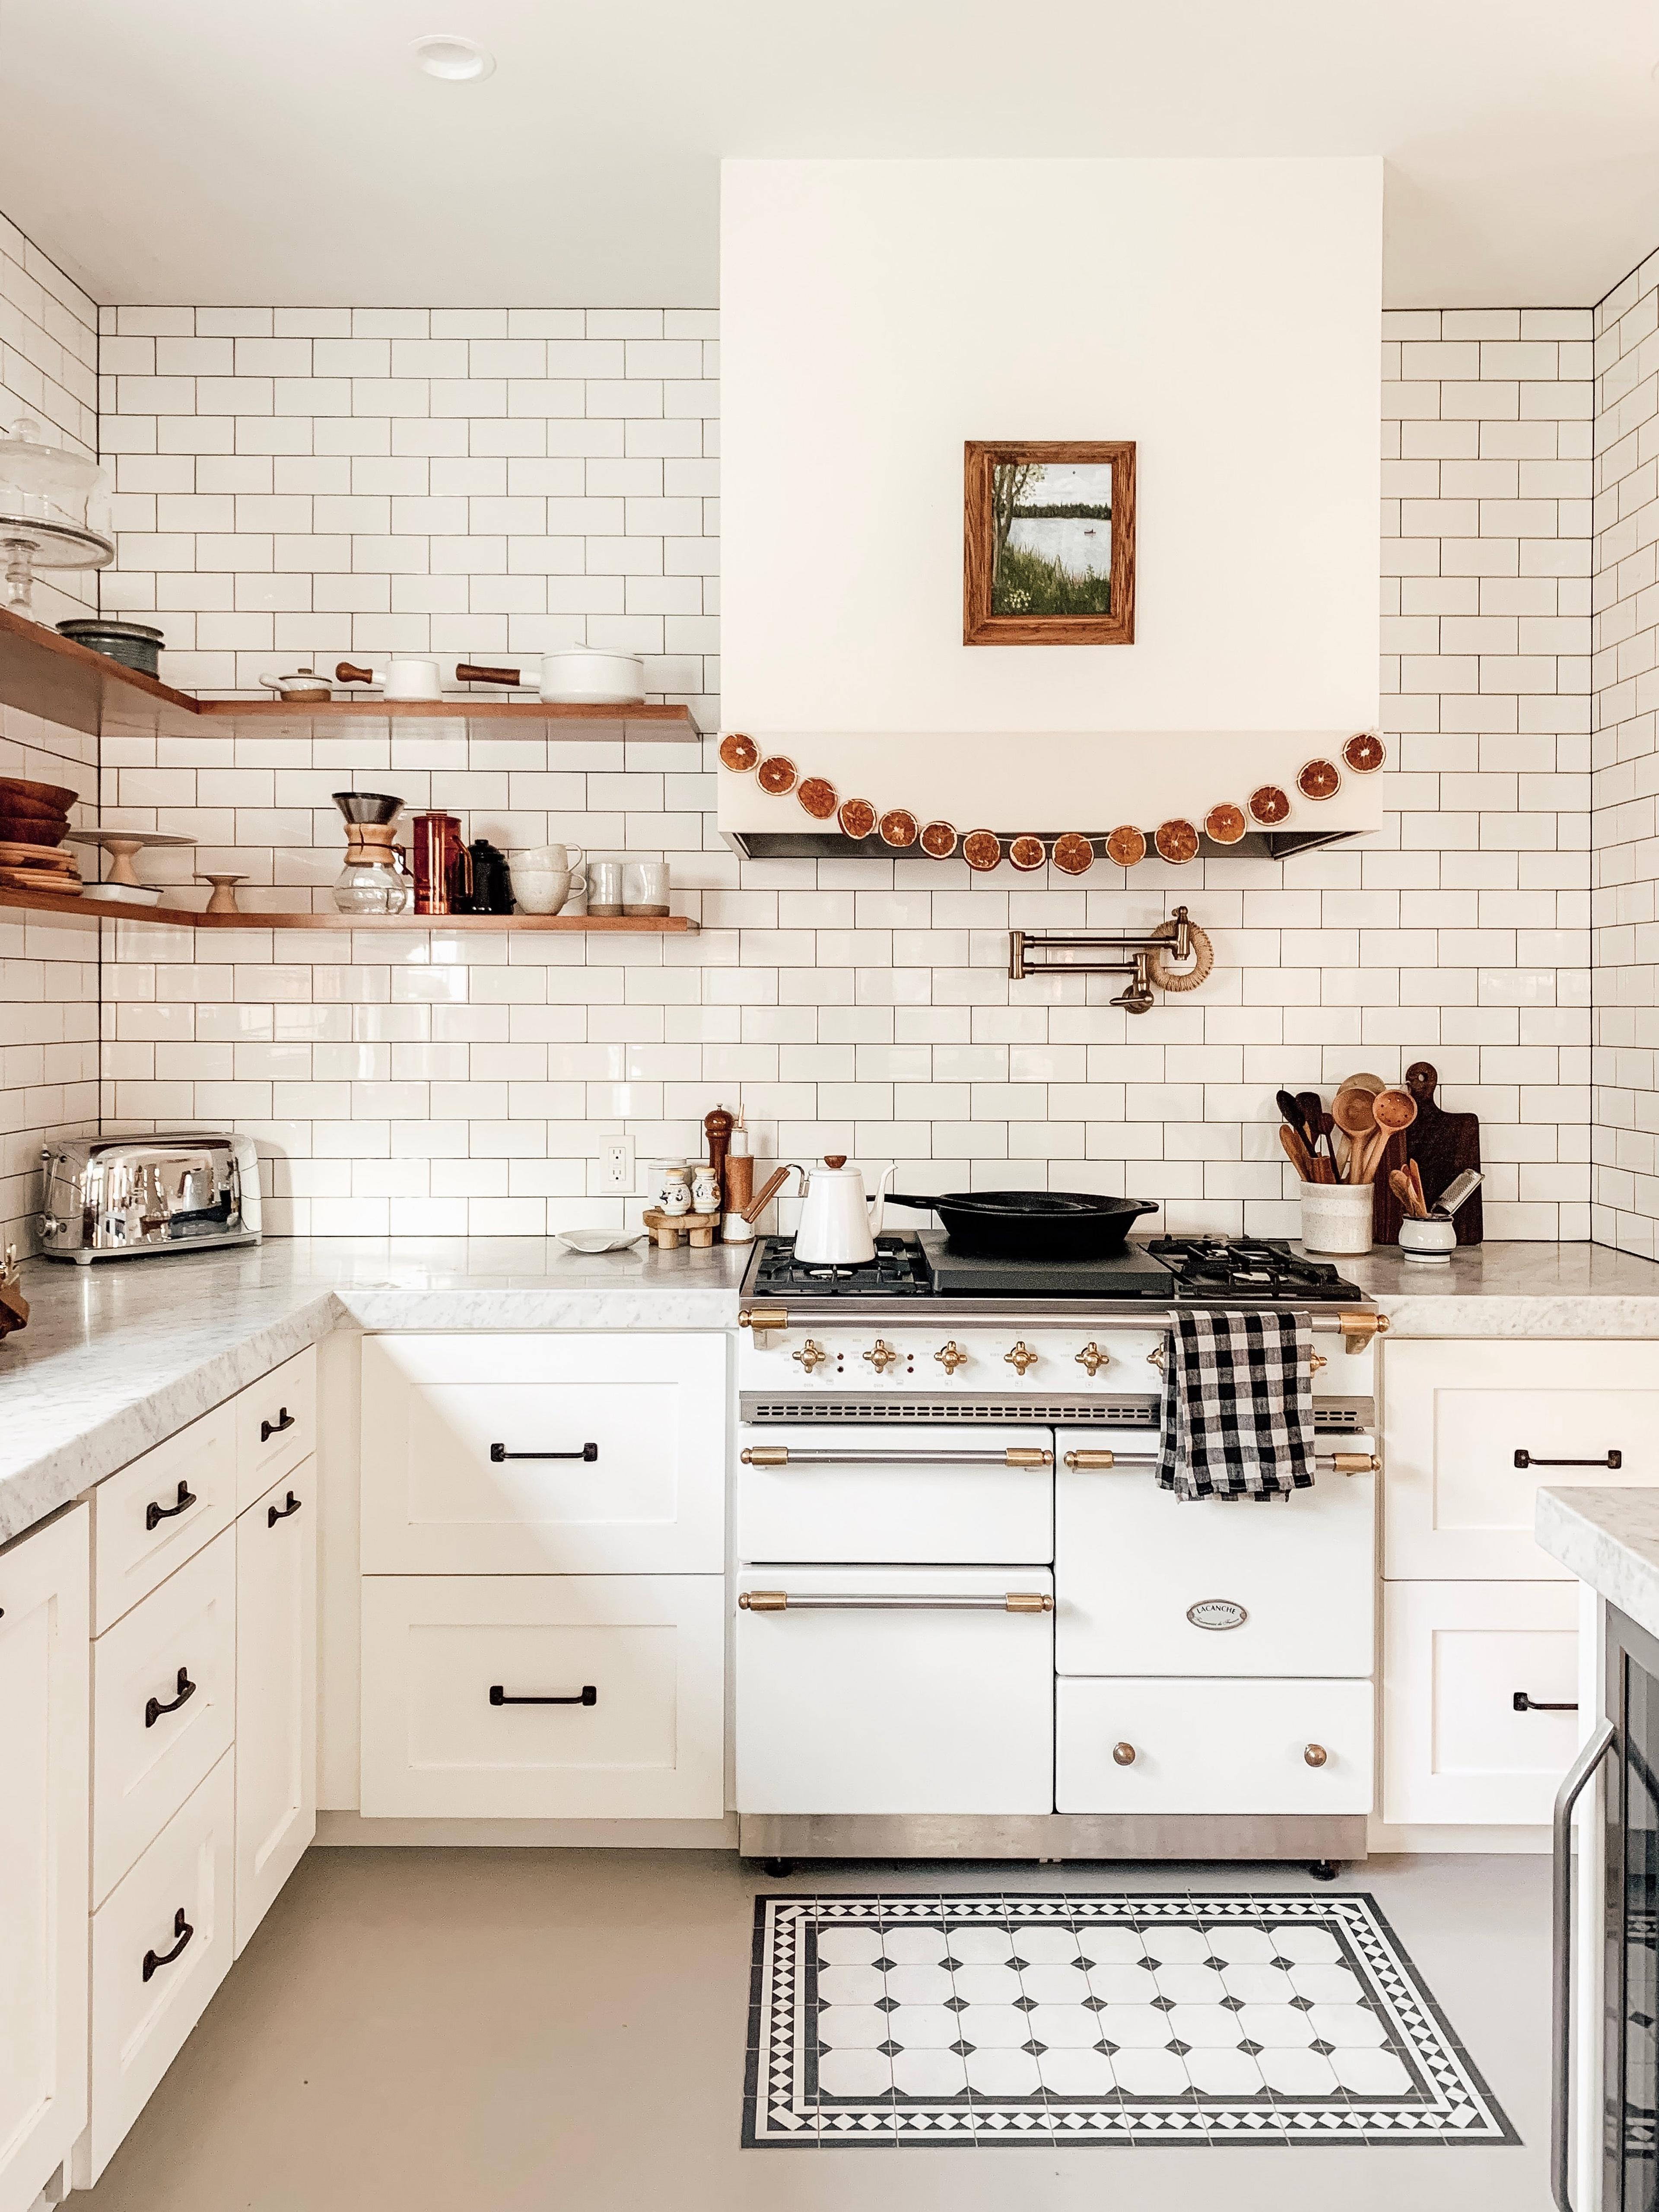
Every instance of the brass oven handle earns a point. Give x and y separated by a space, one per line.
1342 1462
782 1601
802 1456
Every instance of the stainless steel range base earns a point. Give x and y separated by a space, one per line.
1049 1836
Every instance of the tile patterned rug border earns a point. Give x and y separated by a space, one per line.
784 2107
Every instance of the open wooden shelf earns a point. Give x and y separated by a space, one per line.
52 677
181 917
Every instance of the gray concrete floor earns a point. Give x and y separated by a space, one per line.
532 2031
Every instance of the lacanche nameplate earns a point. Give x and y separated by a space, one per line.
1216 1613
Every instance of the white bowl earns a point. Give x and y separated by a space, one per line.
123 894
583 676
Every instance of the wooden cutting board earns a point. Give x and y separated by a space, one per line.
1443 1145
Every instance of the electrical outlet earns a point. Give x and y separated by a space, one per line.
618 1158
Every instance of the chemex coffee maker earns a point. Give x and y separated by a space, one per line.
375 878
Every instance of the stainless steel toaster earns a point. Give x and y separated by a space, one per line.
121 1197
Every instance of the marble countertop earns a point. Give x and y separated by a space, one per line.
120 1355
1609 1538
1513 1290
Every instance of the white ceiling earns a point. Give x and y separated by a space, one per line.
220 152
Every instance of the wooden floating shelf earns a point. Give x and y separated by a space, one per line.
179 917
61 682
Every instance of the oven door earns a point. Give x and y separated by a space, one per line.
1631 1959
894 1690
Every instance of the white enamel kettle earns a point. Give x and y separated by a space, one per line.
838 1225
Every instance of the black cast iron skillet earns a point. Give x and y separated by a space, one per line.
1032 1224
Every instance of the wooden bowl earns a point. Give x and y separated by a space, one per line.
32 828
34 797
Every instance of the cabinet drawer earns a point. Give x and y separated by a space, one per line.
1457 1506
276 1424
1212 1747
1454 1655
1295 1576
529 1454
160 1510
945 1496
591 1696
936 1705
179 1644
174 1907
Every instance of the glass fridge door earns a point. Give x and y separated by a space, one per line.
1632 1900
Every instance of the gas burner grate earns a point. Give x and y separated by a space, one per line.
899 1270
1250 1268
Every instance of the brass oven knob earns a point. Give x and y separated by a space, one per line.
882 1356
952 1355
1315 1755
1093 1358
1021 1357
1123 1755
811 1355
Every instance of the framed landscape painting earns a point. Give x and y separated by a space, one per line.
1049 543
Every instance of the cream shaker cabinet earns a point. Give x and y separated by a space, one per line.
44 1748
276 1691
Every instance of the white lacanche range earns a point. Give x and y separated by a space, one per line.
968 1622
395 1544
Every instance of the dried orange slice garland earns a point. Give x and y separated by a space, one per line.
1071 852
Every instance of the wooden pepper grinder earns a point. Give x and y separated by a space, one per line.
717 1129
1443 1145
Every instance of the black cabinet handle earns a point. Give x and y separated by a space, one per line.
153 1710
587 1695
1523 1704
269 1429
1526 1459
155 1514
276 1513
183 1931
499 1452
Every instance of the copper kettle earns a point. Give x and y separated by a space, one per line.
442 865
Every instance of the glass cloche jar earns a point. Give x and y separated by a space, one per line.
50 510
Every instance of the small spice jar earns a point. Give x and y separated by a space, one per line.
674 1186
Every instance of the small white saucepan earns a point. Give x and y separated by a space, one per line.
405 675
579 676
302 683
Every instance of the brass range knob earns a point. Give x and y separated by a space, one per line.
1315 1755
811 1355
1021 1357
1123 1755
952 1355
1093 1358
882 1356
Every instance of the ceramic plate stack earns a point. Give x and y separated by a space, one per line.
34 818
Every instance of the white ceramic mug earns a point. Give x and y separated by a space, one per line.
604 887
537 890
645 887
558 858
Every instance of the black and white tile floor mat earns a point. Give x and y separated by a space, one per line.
1106 2019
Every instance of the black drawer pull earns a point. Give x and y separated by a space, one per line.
269 1429
587 1695
153 1710
1526 1459
155 1514
499 1452
1523 1704
276 1513
183 1931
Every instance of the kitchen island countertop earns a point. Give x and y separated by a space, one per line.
1609 1538
120 1354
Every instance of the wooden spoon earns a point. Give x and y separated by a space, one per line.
1394 1110
1401 1184
1297 1153
1371 1083
1352 1113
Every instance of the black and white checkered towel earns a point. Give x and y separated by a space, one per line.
1237 1406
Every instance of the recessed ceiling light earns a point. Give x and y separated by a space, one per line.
457 60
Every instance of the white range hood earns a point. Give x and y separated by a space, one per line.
877 317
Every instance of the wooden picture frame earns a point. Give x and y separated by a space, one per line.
991 612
